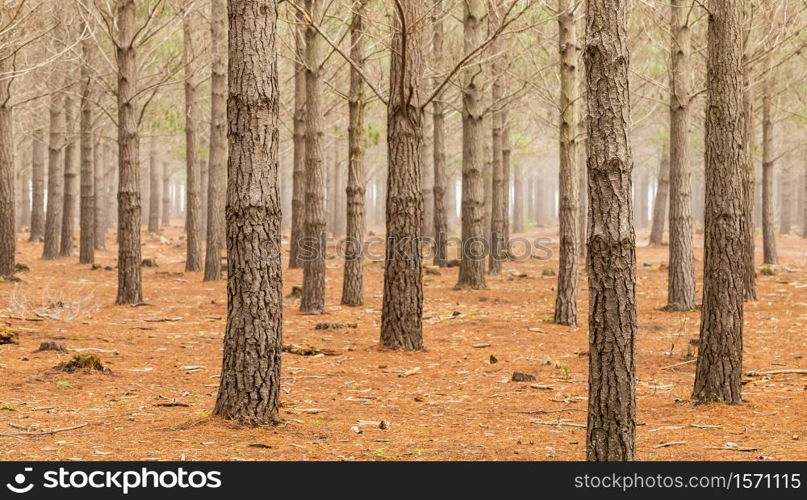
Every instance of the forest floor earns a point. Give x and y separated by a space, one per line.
449 402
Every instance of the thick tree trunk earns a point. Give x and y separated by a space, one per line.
8 236
299 138
402 308
353 282
719 367
566 297
249 386
130 288
427 171
472 253
661 200
100 187
87 194
193 183
70 178
681 271
38 185
313 251
53 215
438 144
217 169
769 253
155 182
611 430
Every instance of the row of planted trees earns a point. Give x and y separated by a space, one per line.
253 334
594 203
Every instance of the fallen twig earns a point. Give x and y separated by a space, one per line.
678 364
670 443
43 432
783 371
559 423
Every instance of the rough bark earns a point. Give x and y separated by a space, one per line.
250 375
8 236
438 144
402 307
100 187
718 371
769 253
217 166
472 253
86 181
498 214
130 288
313 251
193 185
611 429
661 200
566 296
681 271
38 185
353 282
53 215
299 138
70 180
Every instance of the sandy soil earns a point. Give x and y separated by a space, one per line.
447 403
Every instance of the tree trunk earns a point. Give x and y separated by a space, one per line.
87 194
217 169
193 186
154 177
507 174
718 371
166 196
438 144
353 282
495 200
785 201
70 177
402 308
38 185
804 204
249 386
313 251
472 252
100 187
518 199
427 171
53 215
299 138
749 172
681 271
566 297
661 200
130 288
25 192
611 430
8 236
769 253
